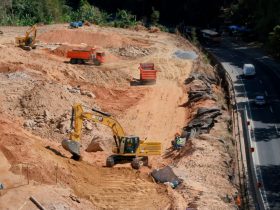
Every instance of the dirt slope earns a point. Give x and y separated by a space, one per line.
104 187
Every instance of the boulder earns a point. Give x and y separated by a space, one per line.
88 125
29 123
87 93
98 144
74 90
201 76
64 127
47 115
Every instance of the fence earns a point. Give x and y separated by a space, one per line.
29 171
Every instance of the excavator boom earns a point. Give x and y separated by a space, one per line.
78 116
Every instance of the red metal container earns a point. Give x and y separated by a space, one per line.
147 72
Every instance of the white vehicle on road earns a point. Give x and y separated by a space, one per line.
249 70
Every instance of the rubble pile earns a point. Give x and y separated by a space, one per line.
203 121
131 51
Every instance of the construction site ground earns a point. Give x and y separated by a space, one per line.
37 91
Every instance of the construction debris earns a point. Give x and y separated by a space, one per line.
203 121
167 176
131 51
74 198
37 203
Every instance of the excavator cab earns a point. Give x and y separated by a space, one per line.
129 144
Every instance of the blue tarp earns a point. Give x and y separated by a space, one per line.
76 24
238 28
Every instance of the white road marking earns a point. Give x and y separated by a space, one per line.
265 92
260 81
277 131
271 109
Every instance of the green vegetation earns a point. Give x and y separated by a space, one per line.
124 19
155 16
29 12
260 15
274 41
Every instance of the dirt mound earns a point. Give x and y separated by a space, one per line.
47 111
50 97
61 50
89 38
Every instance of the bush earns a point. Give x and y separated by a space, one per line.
29 12
124 19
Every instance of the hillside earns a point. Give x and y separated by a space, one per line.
39 87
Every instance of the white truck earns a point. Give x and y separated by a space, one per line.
249 70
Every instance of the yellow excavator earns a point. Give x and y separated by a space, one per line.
127 148
27 42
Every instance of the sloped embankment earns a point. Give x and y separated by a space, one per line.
206 162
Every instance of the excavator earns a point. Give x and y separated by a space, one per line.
127 148
27 42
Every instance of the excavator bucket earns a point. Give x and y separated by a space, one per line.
73 147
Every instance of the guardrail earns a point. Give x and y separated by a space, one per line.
228 85
249 182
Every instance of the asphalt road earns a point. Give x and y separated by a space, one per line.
265 126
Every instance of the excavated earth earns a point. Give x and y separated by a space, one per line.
38 88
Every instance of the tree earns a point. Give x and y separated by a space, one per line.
274 41
155 16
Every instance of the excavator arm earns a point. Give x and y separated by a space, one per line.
78 116
31 39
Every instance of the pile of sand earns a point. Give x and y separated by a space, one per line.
89 38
